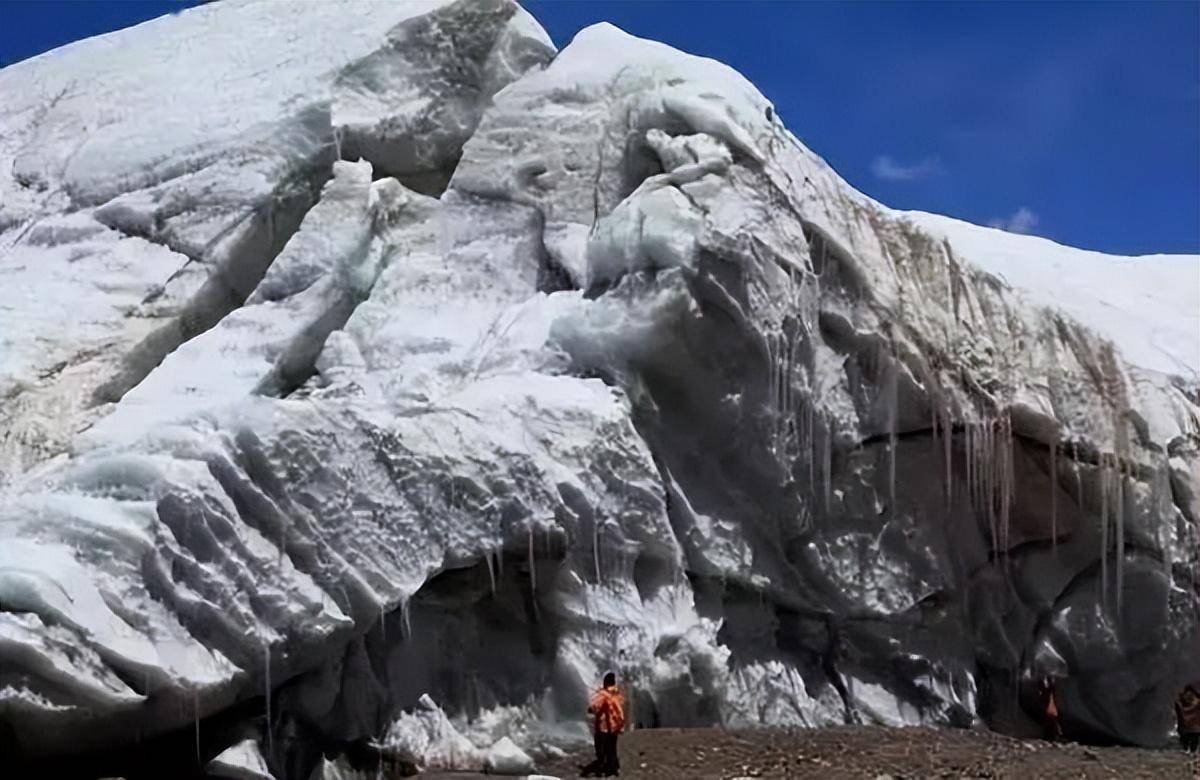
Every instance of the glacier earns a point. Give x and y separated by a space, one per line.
354 352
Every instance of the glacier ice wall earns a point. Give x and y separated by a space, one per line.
411 357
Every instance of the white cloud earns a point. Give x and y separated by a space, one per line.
884 167
1022 221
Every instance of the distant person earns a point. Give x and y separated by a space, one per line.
1187 715
1048 704
607 709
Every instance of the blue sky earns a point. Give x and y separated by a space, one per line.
1077 121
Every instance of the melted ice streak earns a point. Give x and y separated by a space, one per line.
642 317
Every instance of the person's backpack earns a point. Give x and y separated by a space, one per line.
617 713
609 708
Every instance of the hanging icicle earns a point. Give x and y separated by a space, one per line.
969 459
1103 531
893 440
772 390
1078 476
267 691
1160 515
980 463
989 476
1054 495
1119 531
596 548
785 390
827 462
487 557
933 421
947 455
532 567
1007 475
196 720
808 437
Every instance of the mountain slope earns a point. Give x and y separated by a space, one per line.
472 369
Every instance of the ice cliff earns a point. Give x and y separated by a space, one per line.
356 351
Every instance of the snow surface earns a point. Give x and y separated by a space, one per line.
1149 306
388 354
93 119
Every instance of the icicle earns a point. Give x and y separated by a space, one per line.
1001 490
337 142
796 398
782 374
1103 531
968 457
1119 530
773 371
405 622
777 396
985 465
487 557
933 423
267 688
196 720
948 456
1054 496
1078 478
996 455
1006 487
808 428
532 568
979 466
989 479
1159 491
772 383
989 482
596 548
969 450
893 378
816 451
999 487
786 383
827 462
803 520
981 463
993 471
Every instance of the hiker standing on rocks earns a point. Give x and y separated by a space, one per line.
607 709
1187 716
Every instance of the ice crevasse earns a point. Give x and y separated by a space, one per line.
354 352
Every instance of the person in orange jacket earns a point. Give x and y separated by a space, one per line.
607 708
1187 715
1048 700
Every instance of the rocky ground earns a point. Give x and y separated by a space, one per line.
873 753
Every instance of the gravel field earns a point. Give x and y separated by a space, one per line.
874 753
